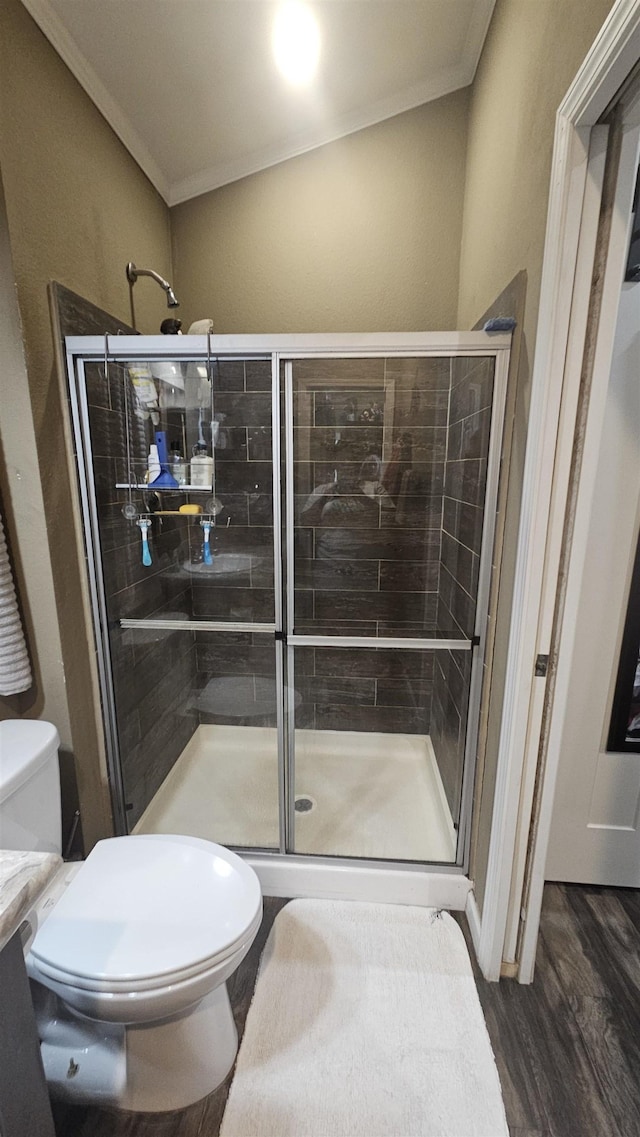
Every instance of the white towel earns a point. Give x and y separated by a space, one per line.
201 328
15 669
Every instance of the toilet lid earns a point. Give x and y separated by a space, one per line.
148 906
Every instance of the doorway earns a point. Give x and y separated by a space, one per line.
538 671
595 834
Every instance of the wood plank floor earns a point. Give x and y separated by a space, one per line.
567 1047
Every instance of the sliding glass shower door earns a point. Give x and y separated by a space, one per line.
384 510
185 592
291 650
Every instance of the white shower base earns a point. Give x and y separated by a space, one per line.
374 795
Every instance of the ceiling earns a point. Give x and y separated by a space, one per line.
191 89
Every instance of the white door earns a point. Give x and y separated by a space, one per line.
595 830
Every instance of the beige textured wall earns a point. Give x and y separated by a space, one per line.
531 55
78 208
23 511
360 235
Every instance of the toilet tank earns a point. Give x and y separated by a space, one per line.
30 815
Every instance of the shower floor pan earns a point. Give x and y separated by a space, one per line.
362 795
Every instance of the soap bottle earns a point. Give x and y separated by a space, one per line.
178 465
153 464
201 467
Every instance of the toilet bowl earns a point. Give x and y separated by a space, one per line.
129 954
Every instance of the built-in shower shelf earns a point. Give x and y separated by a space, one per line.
165 489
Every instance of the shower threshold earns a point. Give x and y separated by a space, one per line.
363 795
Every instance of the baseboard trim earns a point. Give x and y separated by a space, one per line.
344 882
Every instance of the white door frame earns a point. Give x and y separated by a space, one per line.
571 227
593 833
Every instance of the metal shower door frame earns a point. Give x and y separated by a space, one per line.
82 350
476 646
111 351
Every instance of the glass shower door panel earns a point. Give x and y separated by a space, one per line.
379 746
197 725
389 472
188 590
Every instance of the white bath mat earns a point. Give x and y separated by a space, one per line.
365 1023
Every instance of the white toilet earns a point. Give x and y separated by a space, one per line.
132 947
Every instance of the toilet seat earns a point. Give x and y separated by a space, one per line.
148 912
46 971
135 1007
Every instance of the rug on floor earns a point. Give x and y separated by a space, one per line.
365 1022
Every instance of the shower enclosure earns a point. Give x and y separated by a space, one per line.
306 682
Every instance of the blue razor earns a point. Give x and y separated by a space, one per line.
144 524
206 548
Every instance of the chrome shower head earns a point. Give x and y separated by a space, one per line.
133 273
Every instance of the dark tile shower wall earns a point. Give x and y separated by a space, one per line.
365 564
382 690
156 714
235 670
369 457
462 520
153 672
236 679
389 476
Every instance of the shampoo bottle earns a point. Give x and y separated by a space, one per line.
153 464
201 467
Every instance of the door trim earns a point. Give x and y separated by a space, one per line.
578 319
608 63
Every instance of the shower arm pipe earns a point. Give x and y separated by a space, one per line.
133 272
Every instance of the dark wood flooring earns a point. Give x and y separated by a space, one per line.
567 1047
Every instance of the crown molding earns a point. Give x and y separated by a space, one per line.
613 53
216 176
52 27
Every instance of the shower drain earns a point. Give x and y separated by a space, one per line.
304 804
